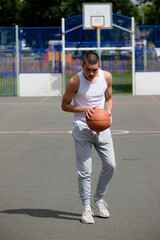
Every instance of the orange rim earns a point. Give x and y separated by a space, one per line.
98 26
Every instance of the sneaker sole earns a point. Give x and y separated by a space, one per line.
99 214
83 221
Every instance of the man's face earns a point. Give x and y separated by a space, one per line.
90 71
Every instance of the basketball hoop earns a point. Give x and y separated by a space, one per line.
97 15
98 26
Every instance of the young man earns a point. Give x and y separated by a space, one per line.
89 89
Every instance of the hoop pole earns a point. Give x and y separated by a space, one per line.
63 54
98 42
133 58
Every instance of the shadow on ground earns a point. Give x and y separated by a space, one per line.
44 213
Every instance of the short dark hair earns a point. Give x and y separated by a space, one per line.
91 58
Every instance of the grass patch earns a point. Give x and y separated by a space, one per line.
122 83
8 85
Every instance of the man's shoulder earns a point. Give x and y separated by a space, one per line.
108 77
75 79
107 74
74 83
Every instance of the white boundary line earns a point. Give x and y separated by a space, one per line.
114 132
13 132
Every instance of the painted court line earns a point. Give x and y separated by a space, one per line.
155 101
31 103
49 132
44 99
13 132
114 132
137 103
154 98
143 132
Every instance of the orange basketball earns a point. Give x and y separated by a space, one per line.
99 121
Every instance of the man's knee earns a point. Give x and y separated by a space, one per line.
111 165
84 174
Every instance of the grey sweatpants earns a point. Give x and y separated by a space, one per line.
84 139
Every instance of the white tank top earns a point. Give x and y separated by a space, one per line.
90 94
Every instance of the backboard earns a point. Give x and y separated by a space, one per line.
97 15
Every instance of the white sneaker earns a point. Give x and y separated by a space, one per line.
87 215
100 207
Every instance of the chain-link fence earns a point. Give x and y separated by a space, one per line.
147 48
40 51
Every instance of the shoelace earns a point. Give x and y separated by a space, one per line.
88 212
102 204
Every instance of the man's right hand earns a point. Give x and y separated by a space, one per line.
89 111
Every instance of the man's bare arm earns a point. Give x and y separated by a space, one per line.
68 96
108 94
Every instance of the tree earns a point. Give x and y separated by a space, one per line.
151 11
72 7
9 12
40 13
29 13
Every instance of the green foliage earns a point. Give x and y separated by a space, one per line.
71 7
34 13
151 11
39 13
9 12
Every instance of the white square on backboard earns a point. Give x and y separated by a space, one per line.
97 10
97 21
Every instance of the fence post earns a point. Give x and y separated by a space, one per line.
63 55
17 61
144 55
133 58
